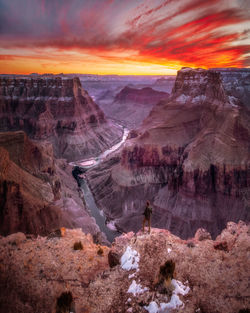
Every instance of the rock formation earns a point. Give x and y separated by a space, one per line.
43 274
36 194
190 158
131 105
58 110
236 82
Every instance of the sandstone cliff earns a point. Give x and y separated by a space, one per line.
190 158
36 194
58 110
48 275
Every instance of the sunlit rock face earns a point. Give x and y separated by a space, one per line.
58 110
211 276
131 106
36 194
190 158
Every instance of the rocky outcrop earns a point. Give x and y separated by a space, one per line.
236 82
190 158
36 193
58 110
131 106
38 274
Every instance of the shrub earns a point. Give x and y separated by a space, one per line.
100 251
166 273
64 302
78 245
190 244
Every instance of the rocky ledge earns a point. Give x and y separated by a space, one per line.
58 110
148 273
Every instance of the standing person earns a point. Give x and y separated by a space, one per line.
147 216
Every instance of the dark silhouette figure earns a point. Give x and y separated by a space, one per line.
147 216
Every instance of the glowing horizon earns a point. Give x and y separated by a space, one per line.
111 37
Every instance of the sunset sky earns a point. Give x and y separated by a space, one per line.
122 36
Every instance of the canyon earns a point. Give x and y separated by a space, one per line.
38 194
190 158
58 110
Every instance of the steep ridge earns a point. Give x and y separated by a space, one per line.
190 157
131 105
36 194
58 110
210 276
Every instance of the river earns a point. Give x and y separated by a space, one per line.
84 165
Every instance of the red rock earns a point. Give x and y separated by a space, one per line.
35 274
190 158
37 192
58 110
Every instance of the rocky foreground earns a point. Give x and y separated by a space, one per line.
46 274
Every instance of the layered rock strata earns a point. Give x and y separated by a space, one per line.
58 110
36 194
190 158
210 276
132 106
236 82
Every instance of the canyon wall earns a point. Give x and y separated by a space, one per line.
36 193
58 110
190 158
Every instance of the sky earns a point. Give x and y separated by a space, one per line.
141 37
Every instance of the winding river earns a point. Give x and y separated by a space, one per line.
84 165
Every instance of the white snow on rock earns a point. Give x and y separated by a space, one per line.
135 288
130 259
169 250
174 302
131 275
182 98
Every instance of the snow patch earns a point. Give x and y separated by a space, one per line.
174 302
169 250
130 259
199 98
182 98
131 275
135 288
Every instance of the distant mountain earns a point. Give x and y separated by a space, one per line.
131 105
145 95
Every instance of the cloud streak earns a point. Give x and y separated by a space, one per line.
170 33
